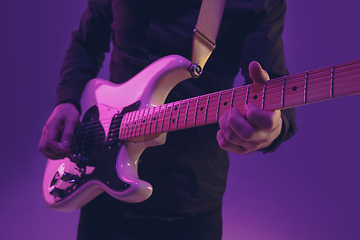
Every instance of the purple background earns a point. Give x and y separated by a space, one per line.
307 189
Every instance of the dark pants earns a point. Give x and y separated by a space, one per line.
101 221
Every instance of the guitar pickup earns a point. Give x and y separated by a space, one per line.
79 160
70 178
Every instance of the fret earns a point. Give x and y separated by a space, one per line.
218 108
232 98
186 114
332 81
207 107
136 122
240 98
255 93
132 116
149 121
167 115
196 108
191 117
283 93
182 113
171 113
305 86
128 125
144 122
126 133
263 96
140 120
123 126
225 103
162 118
247 95
131 125
201 109
178 115
294 90
347 79
174 116
213 108
156 119
318 86
121 130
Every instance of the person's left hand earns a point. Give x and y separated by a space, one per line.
259 129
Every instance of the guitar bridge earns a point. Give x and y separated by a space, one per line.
64 183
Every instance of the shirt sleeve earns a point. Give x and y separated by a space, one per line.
86 52
264 44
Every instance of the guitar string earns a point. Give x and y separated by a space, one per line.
269 96
133 132
127 128
97 126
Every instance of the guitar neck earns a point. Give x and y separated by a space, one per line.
279 93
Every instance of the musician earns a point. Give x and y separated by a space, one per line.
189 171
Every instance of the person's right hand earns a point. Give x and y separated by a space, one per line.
58 132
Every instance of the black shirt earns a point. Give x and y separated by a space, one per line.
189 172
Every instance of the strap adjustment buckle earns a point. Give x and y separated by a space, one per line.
195 70
202 49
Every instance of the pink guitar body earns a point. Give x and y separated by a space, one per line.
147 89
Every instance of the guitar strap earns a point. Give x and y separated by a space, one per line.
205 33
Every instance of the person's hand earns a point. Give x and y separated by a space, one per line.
259 129
58 132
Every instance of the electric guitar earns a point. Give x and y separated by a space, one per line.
119 121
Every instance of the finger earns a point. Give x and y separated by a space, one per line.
265 120
57 147
52 134
226 128
250 146
51 148
244 148
257 74
42 147
53 155
243 129
68 133
227 146
238 131
235 140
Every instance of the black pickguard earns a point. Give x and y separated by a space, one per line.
96 151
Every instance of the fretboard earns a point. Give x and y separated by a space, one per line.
279 93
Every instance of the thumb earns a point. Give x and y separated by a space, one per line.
68 133
257 74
